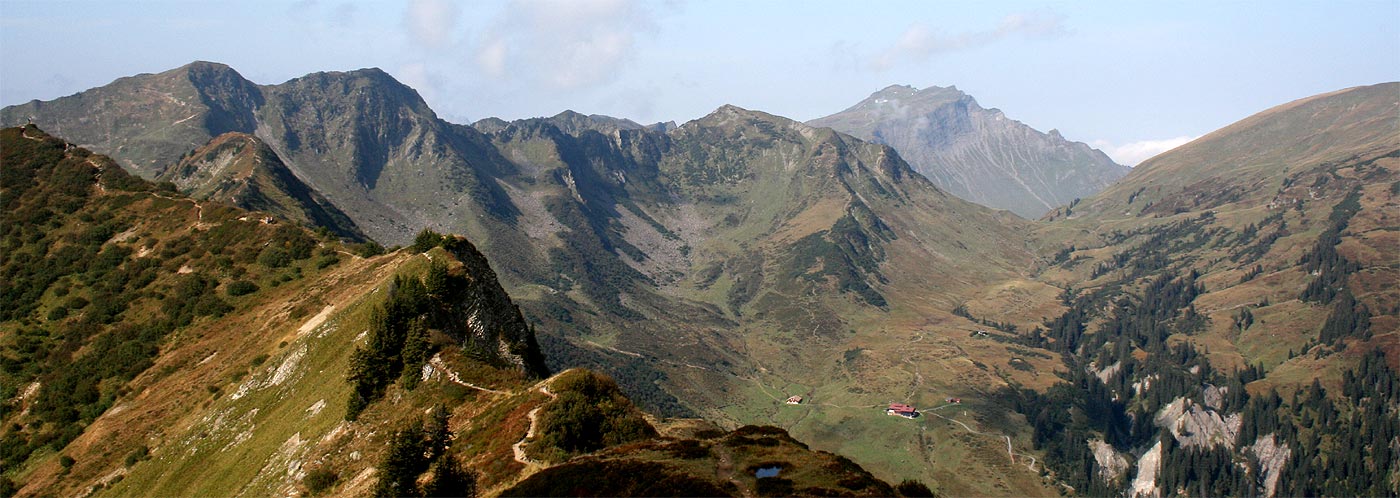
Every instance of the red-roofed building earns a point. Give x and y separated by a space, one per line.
902 410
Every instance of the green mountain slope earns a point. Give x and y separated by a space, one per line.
1257 260
978 154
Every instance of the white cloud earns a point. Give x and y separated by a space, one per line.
563 44
919 42
1133 153
431 22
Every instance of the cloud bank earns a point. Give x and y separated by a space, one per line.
919 42
563 44
1133 153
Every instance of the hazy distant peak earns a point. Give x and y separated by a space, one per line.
573 123
369 73
206 66
976 153
896 90
726 113
903 100
734 118
490 125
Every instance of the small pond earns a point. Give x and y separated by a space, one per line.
763 472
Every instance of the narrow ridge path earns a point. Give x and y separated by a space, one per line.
519 447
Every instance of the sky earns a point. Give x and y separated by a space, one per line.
1131 78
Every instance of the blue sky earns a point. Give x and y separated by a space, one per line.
1129 77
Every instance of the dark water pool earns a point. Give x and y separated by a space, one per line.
763 472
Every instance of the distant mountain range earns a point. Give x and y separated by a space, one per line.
978 154
719 266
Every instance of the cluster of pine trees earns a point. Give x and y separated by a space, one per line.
420 447
398 344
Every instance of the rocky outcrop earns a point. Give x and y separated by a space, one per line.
1272 455
485 318
1145 484
1196 425
1109 465
975 153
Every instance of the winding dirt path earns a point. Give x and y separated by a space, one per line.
519 447
438 364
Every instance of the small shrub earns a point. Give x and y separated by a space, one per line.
319 480
911 488
137 455
367 250
327 260
274 257
240 288
259 360
67 462
426 239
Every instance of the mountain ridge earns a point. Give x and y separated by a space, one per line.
725 264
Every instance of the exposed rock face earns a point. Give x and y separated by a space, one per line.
1108 372
1214 396
1145 484
485 318
1109 465
1196 425
1272 455
978 154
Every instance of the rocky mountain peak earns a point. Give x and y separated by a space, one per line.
975 153
369 86
737 119
574 123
